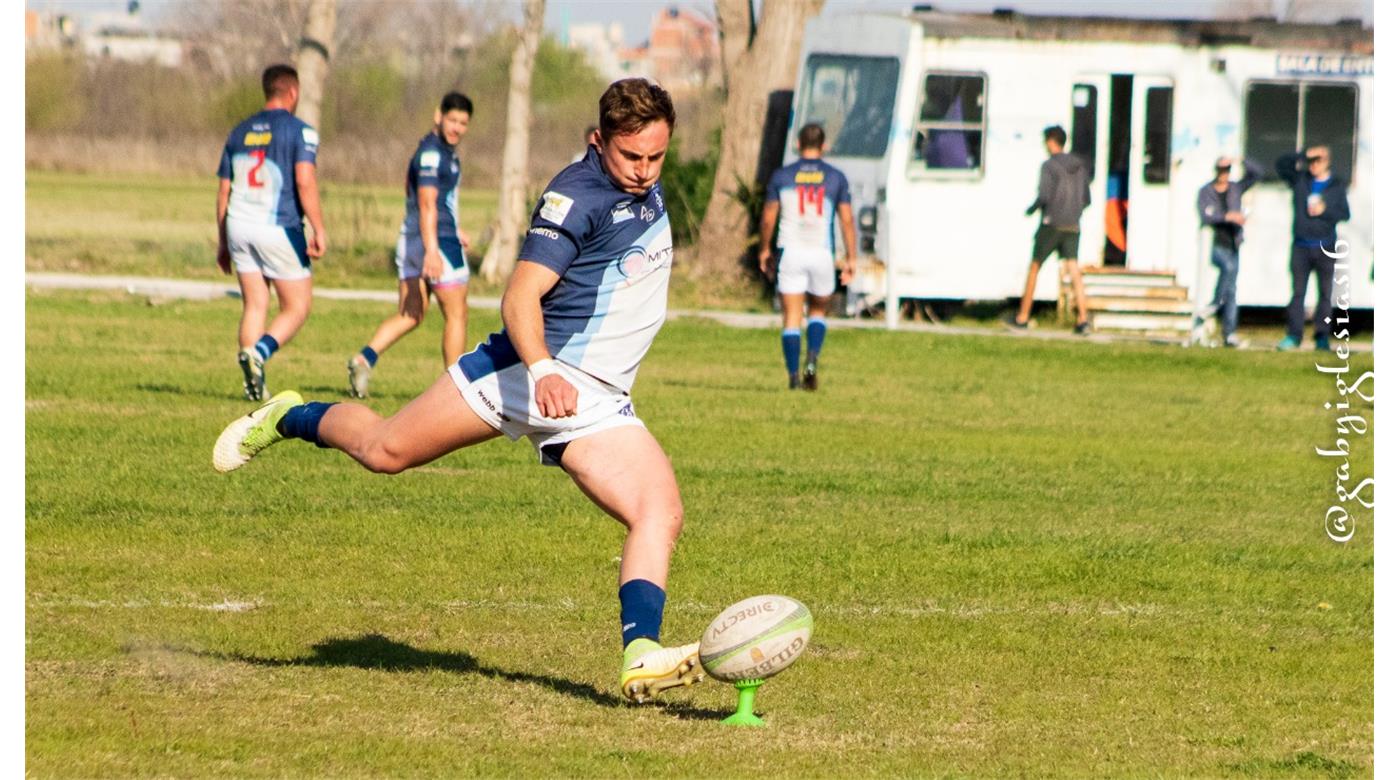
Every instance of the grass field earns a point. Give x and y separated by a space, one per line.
1024 558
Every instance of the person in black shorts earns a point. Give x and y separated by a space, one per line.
1062 197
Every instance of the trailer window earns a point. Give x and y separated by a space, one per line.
1157 152
852 98
1084 124
951 123
1283 117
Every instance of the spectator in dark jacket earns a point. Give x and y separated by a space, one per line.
1062 196
1219 204
1319 203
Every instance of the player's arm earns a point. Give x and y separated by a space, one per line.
848 235
221 217
766 225
427 229
310 196
524 320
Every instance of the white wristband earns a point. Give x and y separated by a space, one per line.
541 369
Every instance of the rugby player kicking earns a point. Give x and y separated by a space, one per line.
267 182
580 311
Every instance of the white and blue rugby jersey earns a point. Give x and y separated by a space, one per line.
809 192
612 251
260 160
434 164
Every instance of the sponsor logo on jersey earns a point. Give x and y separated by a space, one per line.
647 214
545 232
636 261
555 207
429 159
310 136
810 177
659 204
621 213
257 139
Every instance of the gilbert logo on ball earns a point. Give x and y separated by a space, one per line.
756 638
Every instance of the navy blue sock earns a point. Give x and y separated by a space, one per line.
792 348
371 357
642 602
266 346
816 334
303 422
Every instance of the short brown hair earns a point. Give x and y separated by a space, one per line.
631 104
278 80
811 136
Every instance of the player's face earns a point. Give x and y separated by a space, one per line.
453 125
634 161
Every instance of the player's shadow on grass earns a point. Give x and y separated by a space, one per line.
380 653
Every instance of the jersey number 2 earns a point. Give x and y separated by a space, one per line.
254 180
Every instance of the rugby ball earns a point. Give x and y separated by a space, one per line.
756 638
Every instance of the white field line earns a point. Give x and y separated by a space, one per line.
850 611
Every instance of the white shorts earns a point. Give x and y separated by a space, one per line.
505 398
408 256
806 271
274 251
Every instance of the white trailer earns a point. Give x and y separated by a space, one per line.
937 121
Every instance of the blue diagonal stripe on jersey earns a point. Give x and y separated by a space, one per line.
573 351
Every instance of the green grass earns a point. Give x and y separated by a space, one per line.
1023 558
151 226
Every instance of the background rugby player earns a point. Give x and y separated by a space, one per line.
581 310
431 253
809 194
267 182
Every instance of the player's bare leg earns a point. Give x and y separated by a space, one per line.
293 307
1076 277
413 300
453 302
626 473
253 322
430 426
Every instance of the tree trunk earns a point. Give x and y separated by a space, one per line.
768 65
313 60
510 213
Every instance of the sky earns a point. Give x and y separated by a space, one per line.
635 15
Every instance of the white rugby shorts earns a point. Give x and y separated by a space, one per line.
505 399
408 256
806 271
274 251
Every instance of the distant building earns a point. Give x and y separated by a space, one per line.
133 45
682 52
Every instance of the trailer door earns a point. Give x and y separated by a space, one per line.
1088 138
1149 175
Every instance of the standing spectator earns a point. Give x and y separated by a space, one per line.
1062 197
811 196
267 182
1220 207
1319 203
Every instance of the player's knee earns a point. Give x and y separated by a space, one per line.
385 457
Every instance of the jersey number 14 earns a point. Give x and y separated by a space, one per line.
810 197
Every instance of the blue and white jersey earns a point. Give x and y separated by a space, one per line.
260 160
612 251
434 164
808 192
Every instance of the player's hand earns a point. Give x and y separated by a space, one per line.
1316 209
224 259
848 271
432 265
316 247
1235 217
765 262
555 397
466 244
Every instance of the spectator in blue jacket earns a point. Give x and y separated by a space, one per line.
1220 207
1319 203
